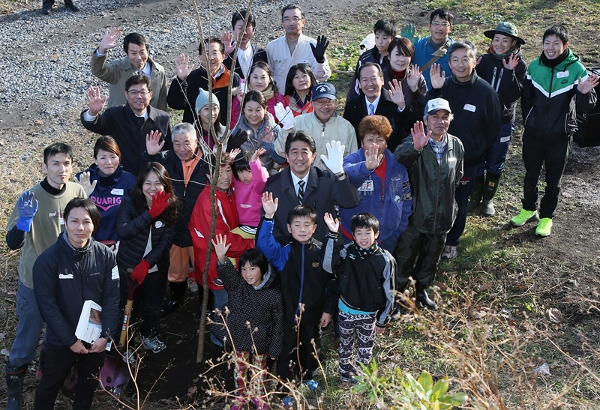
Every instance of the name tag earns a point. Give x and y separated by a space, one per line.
115 273
158 224
245 206
61 276
367 186
562 74
117 191
470 107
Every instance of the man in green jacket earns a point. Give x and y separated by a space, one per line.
553 81
434 160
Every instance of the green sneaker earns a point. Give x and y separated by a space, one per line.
544 227
524 217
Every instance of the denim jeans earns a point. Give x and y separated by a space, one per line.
221 299
29 328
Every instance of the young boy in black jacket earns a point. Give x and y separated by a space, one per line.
365 282
304 268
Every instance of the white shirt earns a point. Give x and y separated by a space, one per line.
295 180
245 60
280 59
375 104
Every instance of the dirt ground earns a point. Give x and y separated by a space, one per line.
564 268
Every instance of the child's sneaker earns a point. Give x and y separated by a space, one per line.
192 285
152 343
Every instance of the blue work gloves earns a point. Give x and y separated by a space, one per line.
27 208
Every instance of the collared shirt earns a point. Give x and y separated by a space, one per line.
375 104
189 166
245 60
295 180
439 147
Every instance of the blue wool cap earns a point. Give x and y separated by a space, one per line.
323 90
202 100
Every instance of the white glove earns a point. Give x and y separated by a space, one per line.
335 157
284 116
84 181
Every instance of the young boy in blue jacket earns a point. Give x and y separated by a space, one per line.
304 267
365 283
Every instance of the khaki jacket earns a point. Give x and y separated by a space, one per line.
117 73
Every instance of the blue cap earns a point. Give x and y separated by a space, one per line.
323 90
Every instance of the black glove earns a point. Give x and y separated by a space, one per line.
319 50
236 141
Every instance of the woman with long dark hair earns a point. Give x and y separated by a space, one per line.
146 226
298 86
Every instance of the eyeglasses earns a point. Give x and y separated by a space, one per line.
324 103
135 93
440 23
295 19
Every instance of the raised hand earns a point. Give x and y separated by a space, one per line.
153 142
84 181
413 76
269 205
183 67
418 134
267 135
511 62
257 154
437 76
221 247
408 31
27 207
233 153
160 202
396 94
319 49
227 38
372 157
240 95
332 223
335 156
284 116
588 85
95 100
109 39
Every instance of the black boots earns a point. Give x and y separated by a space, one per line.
475 197
14 386
422 297
177 295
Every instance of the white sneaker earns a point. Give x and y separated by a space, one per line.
450 252
192 285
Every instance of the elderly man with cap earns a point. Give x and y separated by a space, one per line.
323 124
503 67
434 159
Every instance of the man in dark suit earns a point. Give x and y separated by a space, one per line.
375 100
130 123
303 183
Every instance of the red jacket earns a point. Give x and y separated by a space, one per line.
227 220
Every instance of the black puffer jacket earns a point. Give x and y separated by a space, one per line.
432 185
133 229
65 277
476 108
186 194
507 83
260 306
